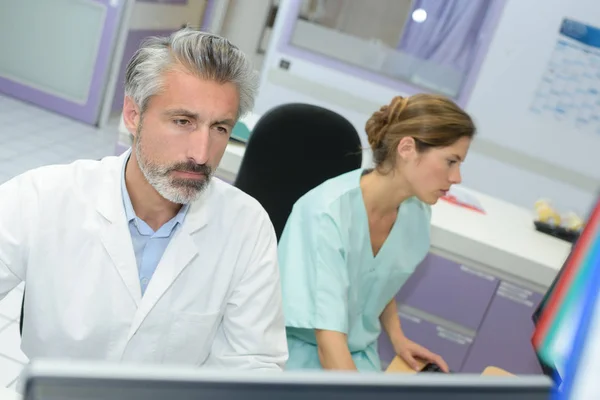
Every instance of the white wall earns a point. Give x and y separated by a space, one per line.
499 103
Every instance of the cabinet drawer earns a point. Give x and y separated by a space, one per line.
504 339
451 345
449 290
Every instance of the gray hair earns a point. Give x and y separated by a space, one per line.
207 55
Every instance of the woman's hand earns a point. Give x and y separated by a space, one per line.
410 352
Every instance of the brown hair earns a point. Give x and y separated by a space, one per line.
431 120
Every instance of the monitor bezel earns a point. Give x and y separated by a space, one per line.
42 372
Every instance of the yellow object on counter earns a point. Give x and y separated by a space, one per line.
546 213
573 222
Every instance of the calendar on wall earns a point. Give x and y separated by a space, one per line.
569 91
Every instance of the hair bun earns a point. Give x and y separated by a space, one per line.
377 125
384 113
433 121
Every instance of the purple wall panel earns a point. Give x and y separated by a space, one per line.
504 339
450 291
452 346
500 313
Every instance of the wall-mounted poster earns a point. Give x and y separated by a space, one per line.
570 88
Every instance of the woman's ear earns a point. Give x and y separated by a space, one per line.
407 148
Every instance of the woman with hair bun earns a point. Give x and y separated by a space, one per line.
351 243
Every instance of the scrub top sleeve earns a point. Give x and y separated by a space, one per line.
331 284
313 273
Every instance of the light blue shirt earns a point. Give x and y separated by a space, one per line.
148 245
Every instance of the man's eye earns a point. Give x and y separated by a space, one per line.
181 122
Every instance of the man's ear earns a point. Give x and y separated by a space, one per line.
407 148
131 115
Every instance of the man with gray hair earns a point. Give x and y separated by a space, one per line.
144 257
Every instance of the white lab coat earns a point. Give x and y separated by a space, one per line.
214 300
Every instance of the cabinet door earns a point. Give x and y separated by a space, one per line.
504 339
449 290
452 346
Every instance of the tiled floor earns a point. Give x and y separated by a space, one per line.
31 137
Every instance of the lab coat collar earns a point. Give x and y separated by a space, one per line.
166 229
116 239
110 198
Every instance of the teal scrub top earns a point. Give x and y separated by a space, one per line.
330 278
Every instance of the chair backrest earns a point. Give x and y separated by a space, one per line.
294 148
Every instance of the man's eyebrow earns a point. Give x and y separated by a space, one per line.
457 156
230 122
181 112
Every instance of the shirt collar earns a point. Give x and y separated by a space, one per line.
130 212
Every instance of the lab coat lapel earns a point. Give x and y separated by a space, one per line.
117 242
180 253
114 233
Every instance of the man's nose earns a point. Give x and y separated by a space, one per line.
199 146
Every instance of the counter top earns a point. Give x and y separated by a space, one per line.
504 238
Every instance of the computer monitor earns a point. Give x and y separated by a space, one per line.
547 311
583 366
549 368
81 381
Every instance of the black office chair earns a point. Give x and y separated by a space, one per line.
294 148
